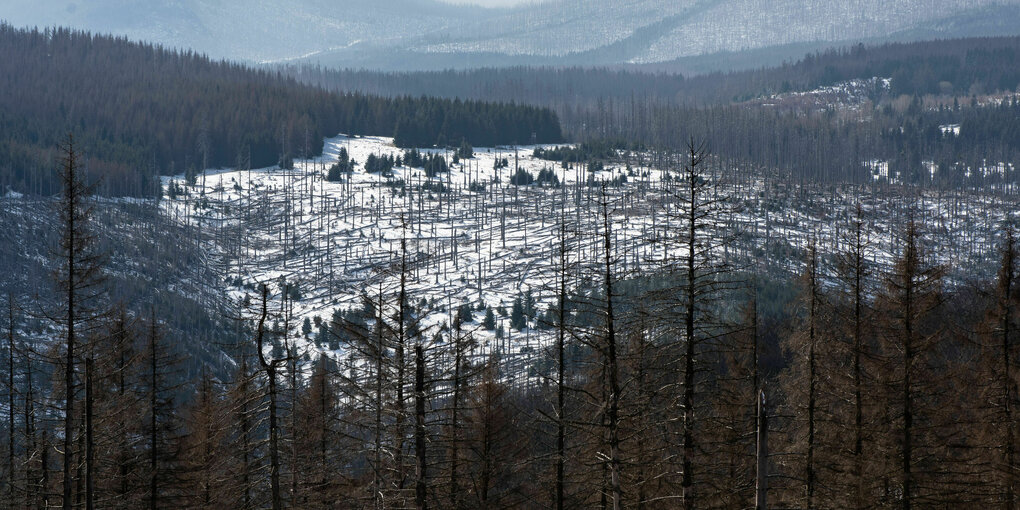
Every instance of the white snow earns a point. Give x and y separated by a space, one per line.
340 241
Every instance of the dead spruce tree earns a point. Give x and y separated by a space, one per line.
204 449
243 399
611 354
160 376
79 280
809 399
694 237
911 336
319 440
999 375
119 407
270 365
9 468
853 310
461 376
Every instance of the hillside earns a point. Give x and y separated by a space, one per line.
426 34
482 235
953 67
143 110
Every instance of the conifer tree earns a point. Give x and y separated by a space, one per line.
910 334
79 280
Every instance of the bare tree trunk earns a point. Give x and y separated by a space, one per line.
45 461
761 501
421 482
70 205
561 330
245 435
695 159
153 425
856 263
812 316
89 439
613 405
274 438
379 353
10 399
292 369
455 419
400 359
1007 275
30 437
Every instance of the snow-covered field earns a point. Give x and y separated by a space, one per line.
473 237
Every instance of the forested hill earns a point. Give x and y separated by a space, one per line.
140 110
958 67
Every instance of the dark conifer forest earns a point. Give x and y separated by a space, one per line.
956 66
824 136
144 111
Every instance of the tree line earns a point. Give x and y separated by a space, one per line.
965 82
914 136
895 387
146 111
954 67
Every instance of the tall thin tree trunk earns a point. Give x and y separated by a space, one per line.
71 199
30 437
857 261
153 420
379 354
45 462
400 359
812 317
274 437
688 446
762 454
561 331
292 368
90 447
245 435
1006 278
455 420
10 399
613 407
421 481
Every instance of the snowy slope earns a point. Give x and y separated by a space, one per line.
340 241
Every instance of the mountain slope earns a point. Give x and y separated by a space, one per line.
140 110
408 34
239 29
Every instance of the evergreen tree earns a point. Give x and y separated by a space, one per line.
489 323
518 320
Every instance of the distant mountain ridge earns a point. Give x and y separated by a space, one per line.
422 34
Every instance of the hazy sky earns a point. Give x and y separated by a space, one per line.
494 3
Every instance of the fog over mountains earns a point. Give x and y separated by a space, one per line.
417 34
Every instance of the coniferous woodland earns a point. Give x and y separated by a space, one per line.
762 116
956 66
874 378
145 111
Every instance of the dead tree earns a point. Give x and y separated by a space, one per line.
611 358
852 269
913 293
761 499
269 366
10 400
79 280
420 432
802 379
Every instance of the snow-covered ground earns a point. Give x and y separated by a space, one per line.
473 237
